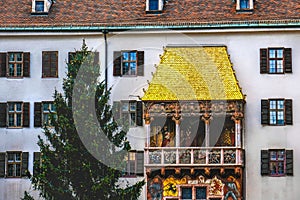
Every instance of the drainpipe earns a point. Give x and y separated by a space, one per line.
105 59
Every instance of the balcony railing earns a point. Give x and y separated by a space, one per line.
193 156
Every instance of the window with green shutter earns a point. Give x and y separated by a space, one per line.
128 63
277 162
275 60
276 112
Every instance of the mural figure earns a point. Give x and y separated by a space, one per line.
168 138
233 191
155 190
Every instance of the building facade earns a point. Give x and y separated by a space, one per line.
209 90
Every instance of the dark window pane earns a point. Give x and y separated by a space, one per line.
153 4
186 193
39 6
200 193
244 4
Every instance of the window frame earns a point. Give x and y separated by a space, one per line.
128 113
48 113
194 190
248 8
15 112
276 162
129 171
275 59
19 162
123 62
15 62
277 110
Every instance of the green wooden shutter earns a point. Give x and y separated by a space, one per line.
289 162
288 111
264 112
117 63
288 60
3 64
54 64
140 163
26 115
25 156
2 164
36 163
37 114
139 113
265 162
3 114
140 67
26 64
45 64
263 61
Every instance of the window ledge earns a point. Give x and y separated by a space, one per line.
245 11
153 12
39 13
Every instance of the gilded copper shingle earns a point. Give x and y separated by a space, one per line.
194 73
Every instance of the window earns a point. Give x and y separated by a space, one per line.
128 63
277 162
41 6
276 60
49 64
244 5
13 164
187 193
15 64
128 113
276 112
154 5
134 163
17 114
44 113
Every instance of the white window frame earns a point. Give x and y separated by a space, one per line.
238 5
47 5
160 5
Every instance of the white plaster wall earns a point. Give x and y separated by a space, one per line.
243 48
33 89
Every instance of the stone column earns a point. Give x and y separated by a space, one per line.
206 118
176 118
237 118
147 126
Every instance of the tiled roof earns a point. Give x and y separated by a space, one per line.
66 13
194 73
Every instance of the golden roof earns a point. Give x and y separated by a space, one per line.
194 73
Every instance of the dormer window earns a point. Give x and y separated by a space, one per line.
244 5
154 5
41 6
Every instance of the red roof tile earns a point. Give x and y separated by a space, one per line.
17 13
